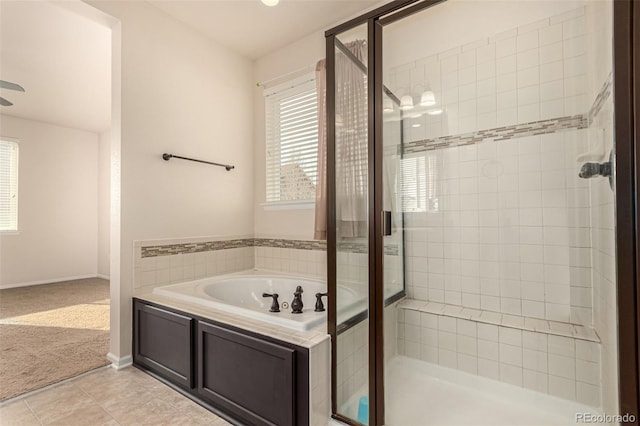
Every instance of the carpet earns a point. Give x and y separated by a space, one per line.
51 332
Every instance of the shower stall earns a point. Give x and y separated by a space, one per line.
472 205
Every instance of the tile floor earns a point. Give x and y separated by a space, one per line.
108 397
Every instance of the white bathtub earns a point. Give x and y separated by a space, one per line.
241 294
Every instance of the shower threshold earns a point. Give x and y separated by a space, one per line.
421 394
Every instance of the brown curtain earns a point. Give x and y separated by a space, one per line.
320 228
351 146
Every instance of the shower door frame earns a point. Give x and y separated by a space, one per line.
626 102
626 111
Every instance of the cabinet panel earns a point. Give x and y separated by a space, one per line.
163 342
250 377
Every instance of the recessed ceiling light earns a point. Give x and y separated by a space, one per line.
270 2
434 112
416 125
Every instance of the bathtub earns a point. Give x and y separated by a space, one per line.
241 294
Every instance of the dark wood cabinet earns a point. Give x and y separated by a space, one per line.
248 378
163 342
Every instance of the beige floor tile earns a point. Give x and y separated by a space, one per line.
58 402
153 412
191 407
109 397
99 378
115 392
185 419
17 413
92 415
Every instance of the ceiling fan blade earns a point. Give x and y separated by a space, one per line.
11 86
5 102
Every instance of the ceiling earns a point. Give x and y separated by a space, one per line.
63 61
253 29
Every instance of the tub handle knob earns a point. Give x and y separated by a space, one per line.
275 307
319 304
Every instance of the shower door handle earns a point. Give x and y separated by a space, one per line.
386 223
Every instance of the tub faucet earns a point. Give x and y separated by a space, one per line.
275 307
296 304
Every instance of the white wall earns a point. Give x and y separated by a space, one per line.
57 207
104 186
183 94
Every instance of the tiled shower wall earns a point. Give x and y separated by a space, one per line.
507 228
561 366
604 269
511 228
506 223
529 73
599 16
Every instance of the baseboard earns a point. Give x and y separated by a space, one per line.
120 362
104 277
55 280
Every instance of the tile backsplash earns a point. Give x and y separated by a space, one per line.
176 260
530 73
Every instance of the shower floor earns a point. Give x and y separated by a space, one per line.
420 394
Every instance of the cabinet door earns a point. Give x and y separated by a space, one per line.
249 377
163 343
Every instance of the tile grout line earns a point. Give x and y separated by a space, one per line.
33 412
96 403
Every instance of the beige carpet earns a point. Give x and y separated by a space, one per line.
52 332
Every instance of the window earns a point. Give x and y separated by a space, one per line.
292 141
418 187
8 186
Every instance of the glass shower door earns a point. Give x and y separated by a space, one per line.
502 176
351 226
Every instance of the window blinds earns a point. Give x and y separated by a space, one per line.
292 143
8 186
418 187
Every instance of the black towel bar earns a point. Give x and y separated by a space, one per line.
168 157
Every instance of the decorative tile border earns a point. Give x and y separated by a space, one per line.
290 244
553 125
601 98
171 249
186 248
363 248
